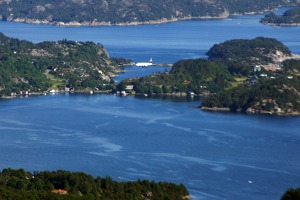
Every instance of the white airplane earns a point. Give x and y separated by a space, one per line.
145 64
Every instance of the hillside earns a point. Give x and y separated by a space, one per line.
290 17
127 12
241 55
272 82
27 67
255 76
65 185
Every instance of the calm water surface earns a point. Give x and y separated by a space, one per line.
216 155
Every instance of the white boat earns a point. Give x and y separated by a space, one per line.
145 64
123 93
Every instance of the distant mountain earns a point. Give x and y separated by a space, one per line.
127 12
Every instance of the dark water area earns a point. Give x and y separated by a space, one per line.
216 155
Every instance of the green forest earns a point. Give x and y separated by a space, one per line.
236 76
115 12
28 67
17 184
290 17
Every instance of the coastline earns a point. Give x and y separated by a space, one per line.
96 23
252 111
282 24
103 23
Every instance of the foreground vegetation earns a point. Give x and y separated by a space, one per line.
93 12
60 185
291 194
290 17
26 67
256 76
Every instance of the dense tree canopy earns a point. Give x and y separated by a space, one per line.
64 185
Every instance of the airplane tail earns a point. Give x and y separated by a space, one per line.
151 60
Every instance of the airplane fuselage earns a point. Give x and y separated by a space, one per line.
143 64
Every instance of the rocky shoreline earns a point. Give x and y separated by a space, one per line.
251 111
282 24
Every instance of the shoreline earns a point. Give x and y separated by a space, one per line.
95 23
251 112
282 24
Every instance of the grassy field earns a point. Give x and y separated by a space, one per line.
57 83
238 81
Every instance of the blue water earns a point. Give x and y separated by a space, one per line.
164 43
216 155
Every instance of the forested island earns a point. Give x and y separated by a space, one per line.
64 65
128 12
17 184
260 75
290 17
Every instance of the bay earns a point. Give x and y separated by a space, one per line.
216 155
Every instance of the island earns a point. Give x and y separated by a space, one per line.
70 66
128 12
290 17
258 75
18 184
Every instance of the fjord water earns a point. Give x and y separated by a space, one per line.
216 155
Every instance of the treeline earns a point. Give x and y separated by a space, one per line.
290 17
114 12
65 185
25 66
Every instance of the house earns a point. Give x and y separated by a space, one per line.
59 191
129 87
186 82
257 68
263 75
